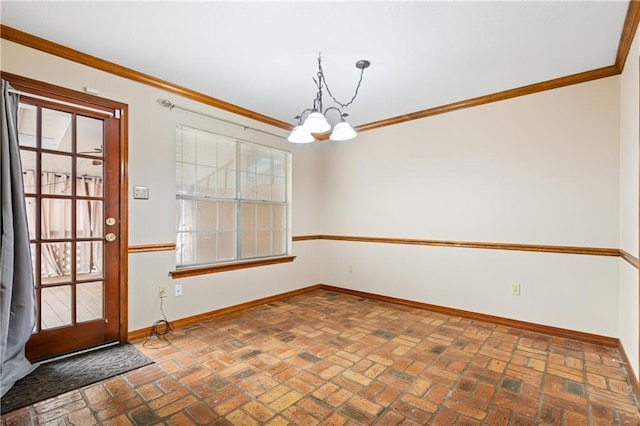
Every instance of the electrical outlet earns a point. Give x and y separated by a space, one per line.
515 289
162 291
350 268
177 290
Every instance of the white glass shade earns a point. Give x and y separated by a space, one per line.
299 135
316 123
343 132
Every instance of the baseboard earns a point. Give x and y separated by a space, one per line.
183 322
507 322
632 375
580 336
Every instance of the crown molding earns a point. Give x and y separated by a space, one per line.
556 83
46 46
626 38
628 33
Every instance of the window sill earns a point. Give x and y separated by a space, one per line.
212 269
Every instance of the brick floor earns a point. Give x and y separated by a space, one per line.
335 359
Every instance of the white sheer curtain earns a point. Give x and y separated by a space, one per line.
56 219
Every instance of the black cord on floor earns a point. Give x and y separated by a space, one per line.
159 330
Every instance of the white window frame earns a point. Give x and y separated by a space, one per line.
238 199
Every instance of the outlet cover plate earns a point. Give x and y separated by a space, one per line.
141 192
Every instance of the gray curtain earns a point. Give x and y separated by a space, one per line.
17 294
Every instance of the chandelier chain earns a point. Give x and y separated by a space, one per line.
323 78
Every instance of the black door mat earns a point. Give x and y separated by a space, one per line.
64 375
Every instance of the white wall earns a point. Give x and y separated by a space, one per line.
151 163
629 164
540 169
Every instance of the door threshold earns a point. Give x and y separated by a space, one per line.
83 351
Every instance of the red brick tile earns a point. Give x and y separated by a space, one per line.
391 418
420 403
338 398
60 411
121 407
259 411
572 418
387 396
285 401
411 412
150 391
316 409
465 409
334 359
365 405
143 415
300 385
497 416
335 420
59 402
371 390
437 394
84 416
121 420
201 413
239 417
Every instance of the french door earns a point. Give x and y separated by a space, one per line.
71 160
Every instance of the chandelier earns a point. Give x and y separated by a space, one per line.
313 120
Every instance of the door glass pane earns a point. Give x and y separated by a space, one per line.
56 174
56 306
89 219
55 216
32 247
55 259
28 159
27 119
89 301
89 263
30 204
90 134
90 168
56 130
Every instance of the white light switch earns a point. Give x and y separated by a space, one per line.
141 192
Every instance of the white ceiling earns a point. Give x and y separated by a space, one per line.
262 55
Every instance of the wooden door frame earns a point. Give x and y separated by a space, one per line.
79 98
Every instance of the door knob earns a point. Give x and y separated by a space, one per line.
110 221
110 237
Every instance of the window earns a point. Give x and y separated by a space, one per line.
232 199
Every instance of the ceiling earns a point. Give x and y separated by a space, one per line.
262 55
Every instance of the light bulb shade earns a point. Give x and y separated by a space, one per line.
299 135
343 132
316 123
